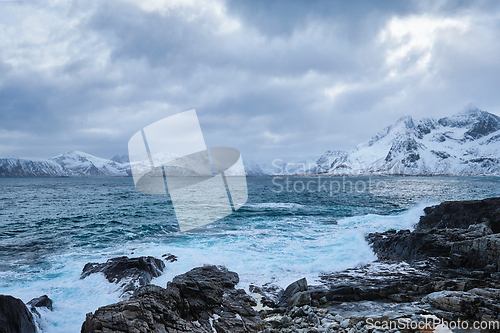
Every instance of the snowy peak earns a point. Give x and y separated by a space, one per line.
253 169
69 164
467 143
404 127
330 159
306 166
478 123
18 167
77 163
121 158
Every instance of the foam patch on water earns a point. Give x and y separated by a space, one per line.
379 223
278 250
72 298
274 205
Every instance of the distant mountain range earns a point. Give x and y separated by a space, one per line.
70 164
467 143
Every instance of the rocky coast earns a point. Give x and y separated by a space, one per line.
445 270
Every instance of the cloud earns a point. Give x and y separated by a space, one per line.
412 39
274 79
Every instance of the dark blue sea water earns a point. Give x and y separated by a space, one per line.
51 227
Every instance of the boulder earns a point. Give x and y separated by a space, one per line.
477 252
476 304
453 301
460 234
15 316
299 299
40 302
461 215
129 273
270 293
169 257
201 300
291 290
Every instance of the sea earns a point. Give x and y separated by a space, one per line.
289 228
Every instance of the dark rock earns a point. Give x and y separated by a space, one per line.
459 234
169 257
299 299
460 243
130 273
41 302
292 289
270 293
15 316
476 304
462 214
379 281
280 322
313 319
201 300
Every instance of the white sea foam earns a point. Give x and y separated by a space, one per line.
285 205
375 223
278 251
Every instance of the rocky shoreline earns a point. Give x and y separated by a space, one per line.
446 269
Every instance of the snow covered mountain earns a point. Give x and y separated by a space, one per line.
253 169
467 143
18 167
309 165
70 164
76 163
121 158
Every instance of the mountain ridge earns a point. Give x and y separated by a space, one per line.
467 143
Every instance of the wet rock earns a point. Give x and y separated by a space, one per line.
454 301
291 290
313 319
40 302
461 215
476 304
481 252
129 273
459 234
400 282
169 257
299 299
15 316
270 293
201 300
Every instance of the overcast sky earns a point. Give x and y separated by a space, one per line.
274 79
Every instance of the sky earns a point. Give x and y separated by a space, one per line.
274 79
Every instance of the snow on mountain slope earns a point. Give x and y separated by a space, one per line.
18 167
76 163
70 164
308 165
120 158
330 159
175 165
467 143
253 169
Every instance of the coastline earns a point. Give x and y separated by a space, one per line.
418 274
